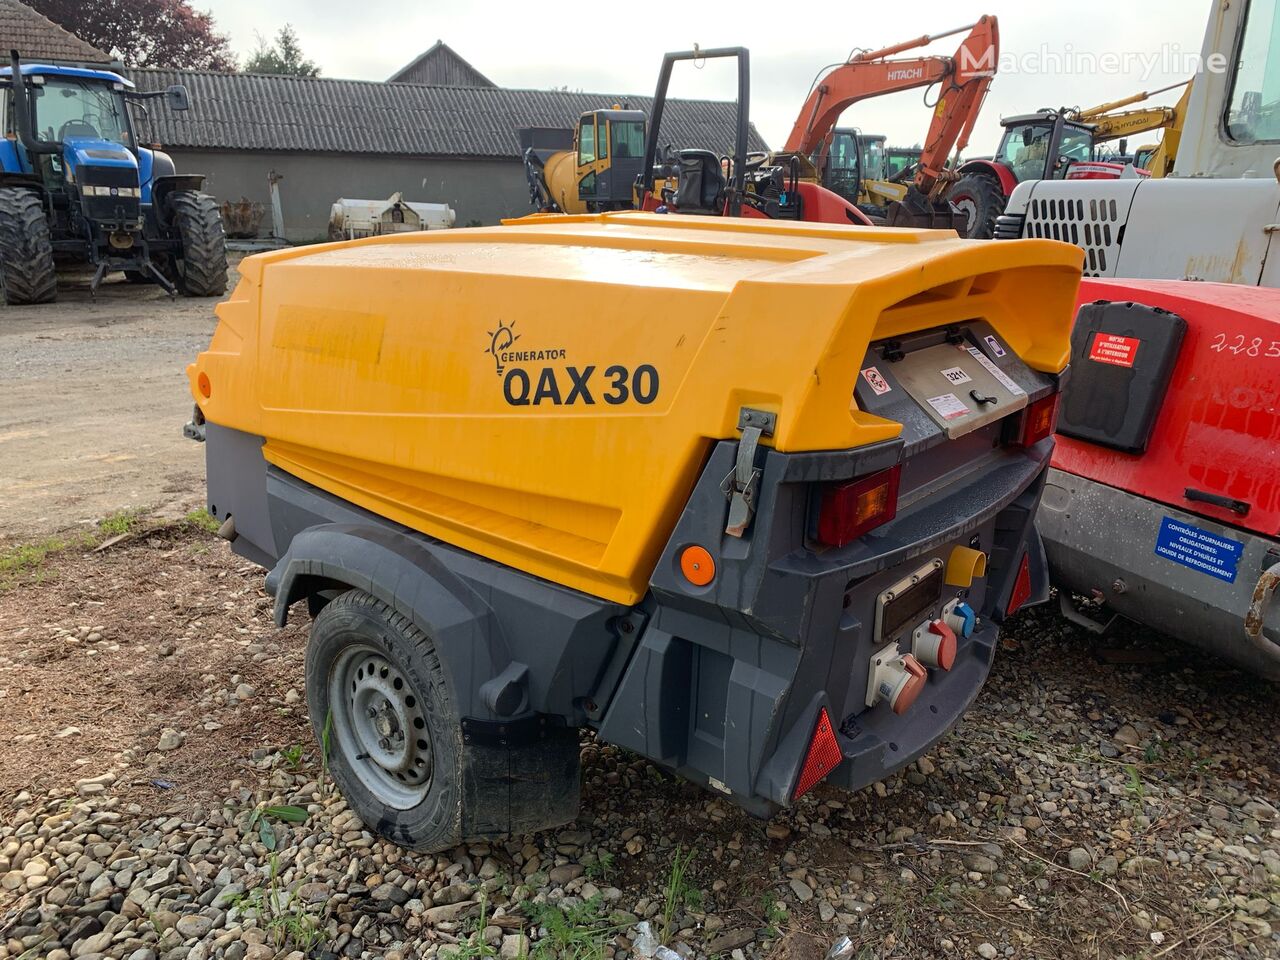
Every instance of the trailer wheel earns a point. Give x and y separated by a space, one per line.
200 268
382 709
26 249
981 201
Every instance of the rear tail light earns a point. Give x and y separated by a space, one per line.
824 756
1039 420
1021 587
849 510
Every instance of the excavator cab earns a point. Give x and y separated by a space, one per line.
609 147
588 169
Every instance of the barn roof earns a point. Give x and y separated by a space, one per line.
317 114
36 37
441 65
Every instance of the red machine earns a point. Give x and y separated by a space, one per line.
1164 497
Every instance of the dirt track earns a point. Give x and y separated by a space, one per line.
92 401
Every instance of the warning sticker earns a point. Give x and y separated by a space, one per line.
995 346
1114 349
995 371
876 381
949 406
1201 550
956 375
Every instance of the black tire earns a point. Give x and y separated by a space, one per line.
139 276
26 249
200 270
403 664
981 200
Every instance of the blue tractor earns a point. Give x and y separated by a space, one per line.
77 186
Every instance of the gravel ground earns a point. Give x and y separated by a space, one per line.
1088 806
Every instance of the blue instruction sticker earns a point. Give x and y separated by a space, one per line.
1201 550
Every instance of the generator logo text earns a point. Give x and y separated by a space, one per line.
534 377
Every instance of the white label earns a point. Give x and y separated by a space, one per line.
956 375
877 381
994 344
996 372
949 406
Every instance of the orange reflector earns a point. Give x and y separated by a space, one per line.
202 382
697 566
1021 587
823 757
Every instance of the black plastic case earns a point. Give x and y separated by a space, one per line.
1122 357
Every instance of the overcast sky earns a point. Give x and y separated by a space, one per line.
1054 54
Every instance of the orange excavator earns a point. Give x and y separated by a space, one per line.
963 81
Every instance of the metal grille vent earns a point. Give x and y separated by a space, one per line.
1093 224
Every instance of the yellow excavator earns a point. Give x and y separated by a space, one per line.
1110 122
1157 158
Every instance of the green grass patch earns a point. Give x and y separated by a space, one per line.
580 931
202 520
118 524
679 892
26 561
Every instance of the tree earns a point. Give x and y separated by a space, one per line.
144 33
283 57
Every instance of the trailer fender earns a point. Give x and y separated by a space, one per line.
406 575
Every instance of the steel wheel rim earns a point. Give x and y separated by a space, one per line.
380 725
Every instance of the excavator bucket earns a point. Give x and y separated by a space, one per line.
919 212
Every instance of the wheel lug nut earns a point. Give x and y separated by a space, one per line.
384 743
372 713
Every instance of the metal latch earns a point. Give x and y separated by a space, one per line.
742 484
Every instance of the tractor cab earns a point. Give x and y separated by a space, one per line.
74 176
1043 146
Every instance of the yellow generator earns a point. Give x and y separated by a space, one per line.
748 498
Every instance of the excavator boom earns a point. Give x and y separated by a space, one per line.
1091 113
1130 122
964 80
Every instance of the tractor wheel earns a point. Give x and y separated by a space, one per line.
200 269
139 276
384 713
981 201
26 249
